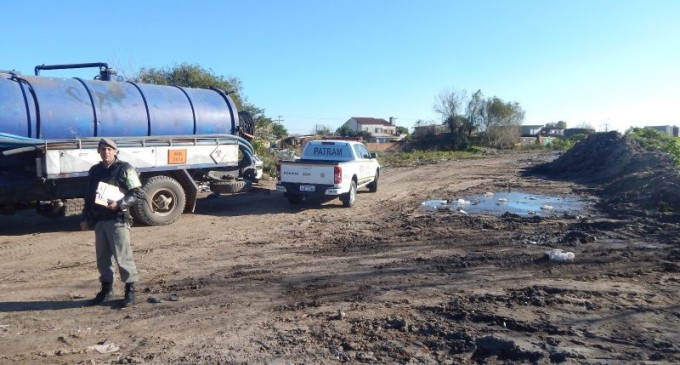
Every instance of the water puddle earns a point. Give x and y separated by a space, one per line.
514 202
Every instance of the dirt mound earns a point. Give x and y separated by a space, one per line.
628 177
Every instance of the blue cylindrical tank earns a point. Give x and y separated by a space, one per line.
63 108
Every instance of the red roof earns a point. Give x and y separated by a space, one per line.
371 121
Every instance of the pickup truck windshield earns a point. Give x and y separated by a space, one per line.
328 151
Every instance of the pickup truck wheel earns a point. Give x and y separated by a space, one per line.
350 198
294 199
373 185
163 202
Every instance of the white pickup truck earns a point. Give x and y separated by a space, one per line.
329 168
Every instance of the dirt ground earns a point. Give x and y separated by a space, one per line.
250 279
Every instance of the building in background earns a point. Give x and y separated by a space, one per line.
380 130
667 129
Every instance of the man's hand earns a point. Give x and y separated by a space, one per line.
113 205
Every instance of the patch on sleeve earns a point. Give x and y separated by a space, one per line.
132 179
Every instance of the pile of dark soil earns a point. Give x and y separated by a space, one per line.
628 177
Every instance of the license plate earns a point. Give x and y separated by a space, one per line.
307 188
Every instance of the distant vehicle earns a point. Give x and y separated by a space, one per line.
180 139
329 169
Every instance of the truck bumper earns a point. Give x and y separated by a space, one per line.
308 190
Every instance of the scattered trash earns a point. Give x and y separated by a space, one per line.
154 300
104 348
488 194
462 211
559 255
502 200
462 202
547 207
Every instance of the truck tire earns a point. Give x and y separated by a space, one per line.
73 207
294 199
163 202
228 187
373 185
348 199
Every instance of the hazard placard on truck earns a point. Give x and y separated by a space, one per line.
329 169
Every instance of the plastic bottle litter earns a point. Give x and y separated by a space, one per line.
547 207
462 202
560 256
502 200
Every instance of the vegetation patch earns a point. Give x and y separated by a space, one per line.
418 158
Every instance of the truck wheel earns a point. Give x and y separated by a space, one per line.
294 199
373 185
163 202
350 198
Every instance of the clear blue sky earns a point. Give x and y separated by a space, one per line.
608 63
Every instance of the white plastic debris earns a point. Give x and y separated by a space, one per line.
488 193
462 202
104 348
502 200
560 256
547 207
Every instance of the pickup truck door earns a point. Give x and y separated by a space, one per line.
366 165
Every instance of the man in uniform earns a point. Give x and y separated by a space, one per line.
111 221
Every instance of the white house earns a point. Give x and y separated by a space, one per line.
380 129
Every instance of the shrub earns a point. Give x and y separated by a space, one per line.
653 140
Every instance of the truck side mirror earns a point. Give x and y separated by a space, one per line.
372 155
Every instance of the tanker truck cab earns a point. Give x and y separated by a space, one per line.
329 169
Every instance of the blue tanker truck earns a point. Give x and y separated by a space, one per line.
180 139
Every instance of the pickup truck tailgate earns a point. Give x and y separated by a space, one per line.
307 173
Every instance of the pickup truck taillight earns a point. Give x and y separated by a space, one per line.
337 175
278 171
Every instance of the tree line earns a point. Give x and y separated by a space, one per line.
477 120
470 120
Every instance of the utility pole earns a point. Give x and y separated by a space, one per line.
279 119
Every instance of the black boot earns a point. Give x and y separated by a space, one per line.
129 299
105 294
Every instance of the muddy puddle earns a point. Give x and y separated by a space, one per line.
513 202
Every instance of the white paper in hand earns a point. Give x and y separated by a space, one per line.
106 192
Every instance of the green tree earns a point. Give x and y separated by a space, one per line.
458 126
402 130
561 124
322 130
192 75
476 112
279 130
503 122
344 131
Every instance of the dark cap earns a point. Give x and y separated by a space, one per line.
108 142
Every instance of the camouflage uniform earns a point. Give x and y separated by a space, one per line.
112 228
